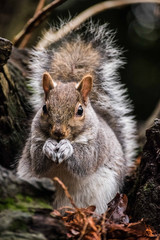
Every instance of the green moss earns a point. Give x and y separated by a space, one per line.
148 187
27 199
23 203
30 202
7 203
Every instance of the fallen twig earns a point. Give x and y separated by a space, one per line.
83 224
66 192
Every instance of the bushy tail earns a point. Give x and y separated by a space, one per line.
109 97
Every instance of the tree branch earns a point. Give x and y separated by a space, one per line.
28 35
39 7
83 16
35 21
148 123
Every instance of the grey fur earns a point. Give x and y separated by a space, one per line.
93 172
112 100
95 161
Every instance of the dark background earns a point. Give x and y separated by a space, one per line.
137 30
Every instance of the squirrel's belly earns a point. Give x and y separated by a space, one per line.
97 189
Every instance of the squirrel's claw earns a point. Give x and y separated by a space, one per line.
65 150
49 149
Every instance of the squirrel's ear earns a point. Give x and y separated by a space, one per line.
85 86
48 83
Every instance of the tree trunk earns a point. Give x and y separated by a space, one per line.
147 191
14 107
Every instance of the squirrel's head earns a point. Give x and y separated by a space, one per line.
66 105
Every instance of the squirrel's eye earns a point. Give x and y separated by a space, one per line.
79 111
44 109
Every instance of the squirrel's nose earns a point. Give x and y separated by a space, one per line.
59 133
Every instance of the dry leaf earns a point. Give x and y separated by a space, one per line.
117 208
84 224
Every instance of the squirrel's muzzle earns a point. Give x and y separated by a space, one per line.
59 132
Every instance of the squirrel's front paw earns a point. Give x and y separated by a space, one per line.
65 150
49 149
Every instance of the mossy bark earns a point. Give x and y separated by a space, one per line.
25 209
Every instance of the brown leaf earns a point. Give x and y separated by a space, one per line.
149 232
116 209
90 209
84 224
55 213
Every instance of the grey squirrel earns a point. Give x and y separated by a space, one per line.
82 131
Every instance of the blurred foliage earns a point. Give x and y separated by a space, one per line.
137 31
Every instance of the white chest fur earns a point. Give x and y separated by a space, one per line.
97 189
